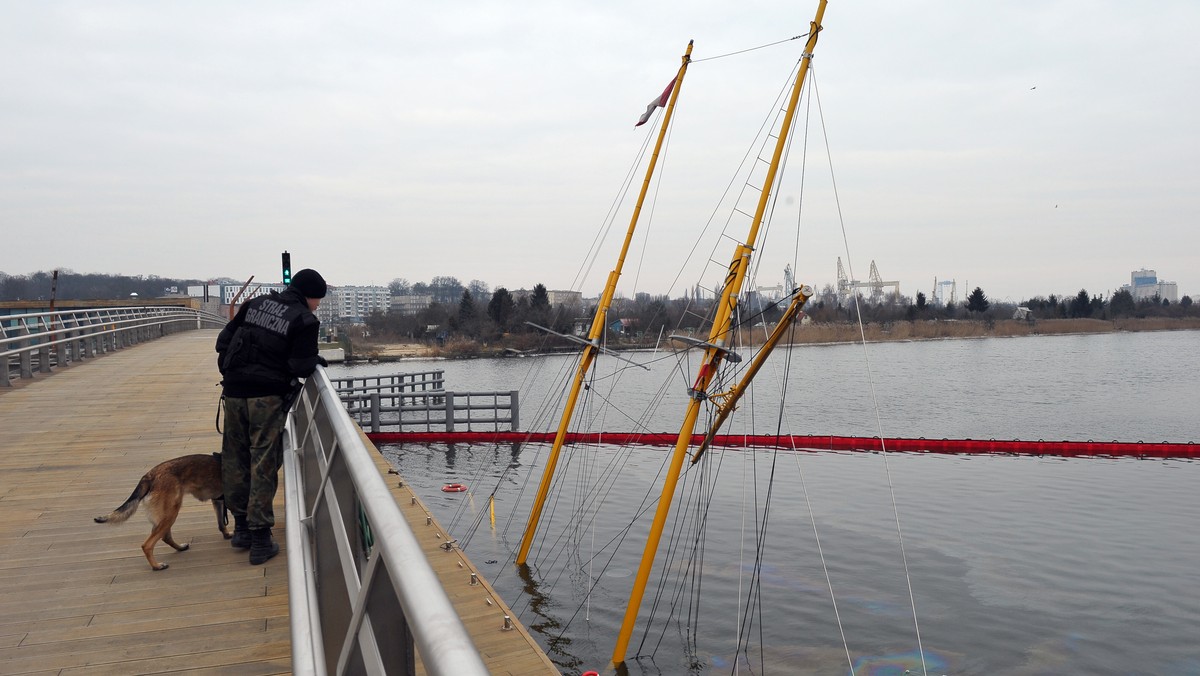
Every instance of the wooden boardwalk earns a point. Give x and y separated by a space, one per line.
79 597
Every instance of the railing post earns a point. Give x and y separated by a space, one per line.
60 352
449 411
4 378
514 411
44 358
26 357
375 412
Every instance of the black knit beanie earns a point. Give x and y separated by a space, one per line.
309 283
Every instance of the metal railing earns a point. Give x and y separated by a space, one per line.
396 383
356 571
408 402
47 339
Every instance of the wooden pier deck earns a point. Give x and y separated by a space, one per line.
79 597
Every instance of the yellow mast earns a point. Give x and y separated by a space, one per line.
714 352
730 399
598 324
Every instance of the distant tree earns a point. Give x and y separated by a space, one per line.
1121 304
399 287
920 301
465 320
446 289
75 286
539 300
1185 302
977 302
434 315
466 306
1081 305
479 290
501 307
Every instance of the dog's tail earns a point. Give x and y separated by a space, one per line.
130 505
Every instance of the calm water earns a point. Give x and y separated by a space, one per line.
1017 565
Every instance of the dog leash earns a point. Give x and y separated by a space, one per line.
220 406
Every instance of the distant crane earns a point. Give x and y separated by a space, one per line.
846 286
939 291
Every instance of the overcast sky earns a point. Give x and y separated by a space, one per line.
1024 147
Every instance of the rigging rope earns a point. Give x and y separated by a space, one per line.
595 484
751 49
871 386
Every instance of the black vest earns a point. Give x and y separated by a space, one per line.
255 363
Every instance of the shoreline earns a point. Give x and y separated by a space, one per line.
808 334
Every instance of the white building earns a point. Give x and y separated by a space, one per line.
354 303
561 298
1144 284
411 304
226 292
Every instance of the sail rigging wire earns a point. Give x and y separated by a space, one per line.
644 230
480 470
766 123
699 540
871 387
650 501
752 49
605 485
691 577
605 227
755 598
478 477
781 421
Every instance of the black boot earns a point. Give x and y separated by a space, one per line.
262 547
241 532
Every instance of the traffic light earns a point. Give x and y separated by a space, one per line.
287 268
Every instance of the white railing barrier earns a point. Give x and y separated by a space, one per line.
356 571
60 337
388 407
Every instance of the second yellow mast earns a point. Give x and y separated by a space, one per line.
598 324
715 351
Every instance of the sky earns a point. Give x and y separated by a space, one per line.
1024 147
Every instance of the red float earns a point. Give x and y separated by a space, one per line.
1113 449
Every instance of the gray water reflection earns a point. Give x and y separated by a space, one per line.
1018 565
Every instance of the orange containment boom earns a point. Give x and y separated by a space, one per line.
817 443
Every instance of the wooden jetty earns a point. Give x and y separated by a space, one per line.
79 597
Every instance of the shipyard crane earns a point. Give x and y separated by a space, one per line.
846 286
939 291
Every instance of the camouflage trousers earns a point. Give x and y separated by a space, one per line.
251 452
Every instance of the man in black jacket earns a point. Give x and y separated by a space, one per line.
262 352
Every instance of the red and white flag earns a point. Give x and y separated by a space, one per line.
658 102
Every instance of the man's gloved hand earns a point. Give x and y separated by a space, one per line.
322 361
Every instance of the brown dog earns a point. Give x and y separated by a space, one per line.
163 488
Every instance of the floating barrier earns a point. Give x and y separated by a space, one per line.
1114 449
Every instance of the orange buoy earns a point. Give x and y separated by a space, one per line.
454 488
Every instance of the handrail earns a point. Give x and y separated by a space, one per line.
78 334
355 569
444 409
419 381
